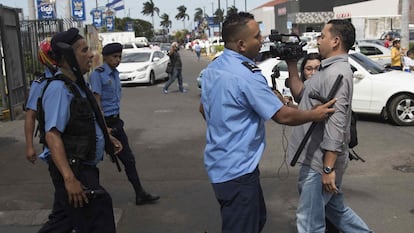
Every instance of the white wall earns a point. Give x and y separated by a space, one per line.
266 16
371 18
374 8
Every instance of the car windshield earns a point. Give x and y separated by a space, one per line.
135 57
371 66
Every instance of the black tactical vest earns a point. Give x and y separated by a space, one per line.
79 137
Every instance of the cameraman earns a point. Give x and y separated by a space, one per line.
175 60
325 157
235 102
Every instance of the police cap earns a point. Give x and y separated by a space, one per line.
69 37
111 48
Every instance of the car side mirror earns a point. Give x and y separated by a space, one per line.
359 75
156 59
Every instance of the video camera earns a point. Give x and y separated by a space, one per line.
286 46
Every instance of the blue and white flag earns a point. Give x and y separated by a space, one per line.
117 5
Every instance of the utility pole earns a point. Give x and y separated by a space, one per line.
220 19
32 9
405 8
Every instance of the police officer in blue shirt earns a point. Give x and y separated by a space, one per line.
235 102
44 55
75 141
36 88
106 86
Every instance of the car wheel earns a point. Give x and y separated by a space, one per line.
401 110
152 78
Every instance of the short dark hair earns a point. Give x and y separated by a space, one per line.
309 56
234 24
395 42
410 52
345 30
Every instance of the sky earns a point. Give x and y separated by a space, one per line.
133 8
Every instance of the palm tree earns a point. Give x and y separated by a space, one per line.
182 14
201 19
150 9
198 15
219 16
165 22
232 10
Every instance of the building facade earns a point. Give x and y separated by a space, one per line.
299 16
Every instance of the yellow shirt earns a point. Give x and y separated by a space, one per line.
395 57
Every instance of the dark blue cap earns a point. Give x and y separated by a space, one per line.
112 48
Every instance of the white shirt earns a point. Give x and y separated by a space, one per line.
408 62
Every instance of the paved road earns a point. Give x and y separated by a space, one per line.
166 133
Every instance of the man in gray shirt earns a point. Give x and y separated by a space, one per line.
324 158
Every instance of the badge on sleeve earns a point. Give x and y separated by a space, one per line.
252 67
100 69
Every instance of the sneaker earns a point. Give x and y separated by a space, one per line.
165 91
184 91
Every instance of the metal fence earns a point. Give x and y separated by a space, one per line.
33 32
19 45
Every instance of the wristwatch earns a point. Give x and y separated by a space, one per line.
327 170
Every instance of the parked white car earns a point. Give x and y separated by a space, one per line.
133 45
142 66
376 52
377 90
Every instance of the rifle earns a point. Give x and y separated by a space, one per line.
305 139
70 57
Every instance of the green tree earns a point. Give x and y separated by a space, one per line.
149 8
166 24
140 27
219 16
201 20
198 15
232 10
180 36
165 21
182 15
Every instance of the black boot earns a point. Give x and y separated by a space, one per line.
143 198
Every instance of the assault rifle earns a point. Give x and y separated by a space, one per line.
305 139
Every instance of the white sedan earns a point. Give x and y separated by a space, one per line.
142 66
380 91
376 52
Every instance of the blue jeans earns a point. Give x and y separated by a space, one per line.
176 74
315 203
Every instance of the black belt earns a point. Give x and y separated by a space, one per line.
113 116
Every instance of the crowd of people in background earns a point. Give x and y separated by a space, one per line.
401 58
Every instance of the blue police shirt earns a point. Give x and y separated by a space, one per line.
107 84
36 91
237 101
56 103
